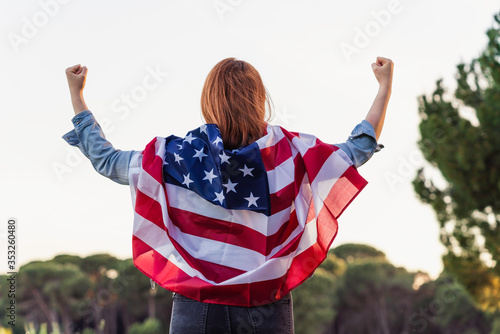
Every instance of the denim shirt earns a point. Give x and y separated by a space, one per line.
87 135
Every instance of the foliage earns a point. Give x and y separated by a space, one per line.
98 293
444 306
355 290
349 252
468 156
149 326
372 296
313 300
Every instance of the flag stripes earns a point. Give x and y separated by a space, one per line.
240 257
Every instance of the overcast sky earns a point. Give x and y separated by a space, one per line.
147 64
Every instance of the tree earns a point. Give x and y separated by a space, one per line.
313 300
372 296
444 306
51 292
350 252
468 156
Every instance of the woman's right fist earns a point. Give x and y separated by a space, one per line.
382 69
76 76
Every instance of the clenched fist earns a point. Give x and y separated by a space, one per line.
76 76
382 69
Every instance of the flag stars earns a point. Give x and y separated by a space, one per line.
230 186
189 138
219 197
203 128
179 146
252 200
187 180
246 171
199 154
178 158
217 140
209 176
224 158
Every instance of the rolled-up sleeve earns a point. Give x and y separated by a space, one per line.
361 144
87 135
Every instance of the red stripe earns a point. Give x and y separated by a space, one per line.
212 271
282 234
276 154
315 158
300 172
282 199
149 153
327 227
172 278
230 233
303 266
343 191
219 230
293 244
152 163
150 209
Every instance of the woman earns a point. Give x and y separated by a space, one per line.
238 213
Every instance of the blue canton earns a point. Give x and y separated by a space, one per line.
232 179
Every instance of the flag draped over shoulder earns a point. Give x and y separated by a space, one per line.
241 227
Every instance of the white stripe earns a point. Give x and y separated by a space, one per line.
188 200
281 176
303 143
134 169
217 252
271 269
329 173
277 267
273 136
160 146
157 239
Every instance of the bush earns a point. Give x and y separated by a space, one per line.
149 326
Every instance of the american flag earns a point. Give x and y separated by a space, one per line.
241 227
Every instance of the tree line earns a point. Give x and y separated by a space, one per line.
355 290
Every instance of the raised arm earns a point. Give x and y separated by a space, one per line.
77 76
362 142
382 69
88 136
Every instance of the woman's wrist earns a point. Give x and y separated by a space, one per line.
385 89
78 102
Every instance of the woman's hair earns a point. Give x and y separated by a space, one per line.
234 98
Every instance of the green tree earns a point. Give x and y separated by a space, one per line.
372 296
51 292
149 326
138 301
313 300
350 252
467 155
444 306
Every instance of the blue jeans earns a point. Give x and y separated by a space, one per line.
193 317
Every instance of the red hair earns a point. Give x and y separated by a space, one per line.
234 98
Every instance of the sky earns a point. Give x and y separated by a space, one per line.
147 64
